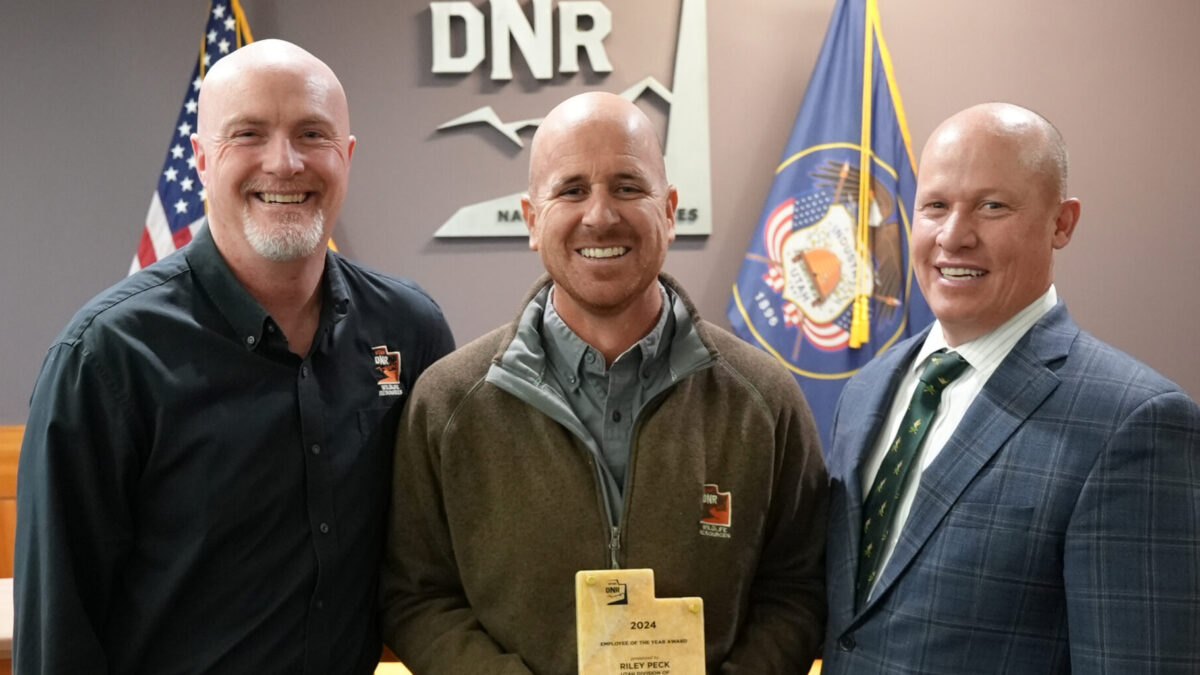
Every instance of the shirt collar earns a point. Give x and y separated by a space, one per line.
986 352
240 309
568 353
235 303
336 301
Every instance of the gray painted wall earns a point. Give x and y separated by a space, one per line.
89 91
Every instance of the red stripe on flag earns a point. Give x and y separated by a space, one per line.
145 249
779 226
182 236
825 336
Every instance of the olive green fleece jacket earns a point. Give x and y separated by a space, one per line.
496 505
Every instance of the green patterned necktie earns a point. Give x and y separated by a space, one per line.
879 507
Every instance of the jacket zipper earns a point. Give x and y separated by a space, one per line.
614 540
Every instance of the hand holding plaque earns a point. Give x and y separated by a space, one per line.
622 629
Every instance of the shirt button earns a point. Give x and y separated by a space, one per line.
303 371
324 528
616 415
590 357
270 328
316 449
249 339
571 379
846 643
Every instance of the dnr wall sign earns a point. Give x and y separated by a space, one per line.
582 26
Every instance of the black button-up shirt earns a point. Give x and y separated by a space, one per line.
193 497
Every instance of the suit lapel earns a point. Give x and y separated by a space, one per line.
1011 395
862 409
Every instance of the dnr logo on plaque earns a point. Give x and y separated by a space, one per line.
616 592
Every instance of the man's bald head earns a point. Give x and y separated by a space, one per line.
1040 145
596 112
229 76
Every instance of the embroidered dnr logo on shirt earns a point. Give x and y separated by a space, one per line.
387 363
716 512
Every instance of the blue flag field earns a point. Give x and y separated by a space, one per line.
826 283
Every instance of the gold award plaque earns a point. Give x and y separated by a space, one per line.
622 629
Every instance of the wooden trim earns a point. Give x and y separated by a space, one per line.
10 450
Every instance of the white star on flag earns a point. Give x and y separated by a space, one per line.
219 11
223 45
186 184
180 206
177 151
185 129
170 174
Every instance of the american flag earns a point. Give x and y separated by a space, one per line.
177 207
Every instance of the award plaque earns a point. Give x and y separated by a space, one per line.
622 629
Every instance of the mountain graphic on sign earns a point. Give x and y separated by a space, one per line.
686 150
487 114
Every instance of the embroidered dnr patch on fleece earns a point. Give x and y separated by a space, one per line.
716 512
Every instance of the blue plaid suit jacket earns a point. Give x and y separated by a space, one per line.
1058 530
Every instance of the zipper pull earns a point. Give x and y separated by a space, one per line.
614 545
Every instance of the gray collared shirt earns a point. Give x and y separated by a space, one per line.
608 401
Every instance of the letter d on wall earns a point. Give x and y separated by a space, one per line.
443 13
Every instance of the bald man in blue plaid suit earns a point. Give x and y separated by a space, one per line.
1049 522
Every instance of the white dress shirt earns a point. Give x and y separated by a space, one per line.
983 354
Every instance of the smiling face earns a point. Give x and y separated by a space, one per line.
599 211
273 151
989 215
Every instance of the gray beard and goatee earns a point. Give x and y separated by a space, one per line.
285 240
